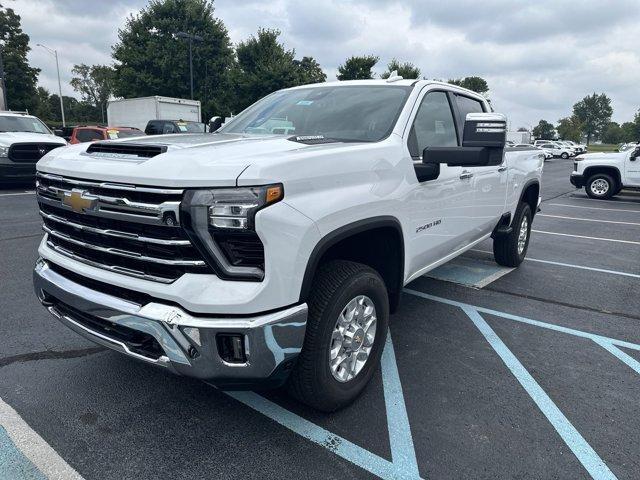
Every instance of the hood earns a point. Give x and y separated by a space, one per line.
9 138
190 160
603 156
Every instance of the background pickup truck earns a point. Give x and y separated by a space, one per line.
272 251
603 175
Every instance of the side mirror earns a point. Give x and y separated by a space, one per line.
485 130
58 132
635 154
427 171
215 123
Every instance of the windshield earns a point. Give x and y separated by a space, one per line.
22 124
116 133
342 113
190 127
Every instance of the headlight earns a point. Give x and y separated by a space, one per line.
4 151
220 223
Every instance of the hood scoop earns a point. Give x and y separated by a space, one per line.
118 150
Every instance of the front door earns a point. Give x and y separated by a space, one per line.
632 168
438 209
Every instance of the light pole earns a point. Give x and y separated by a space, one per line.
4 84
191 38
55 54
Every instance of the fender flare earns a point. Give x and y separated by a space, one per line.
342 233
529 183
586 173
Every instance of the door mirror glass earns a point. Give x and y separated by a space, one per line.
485 130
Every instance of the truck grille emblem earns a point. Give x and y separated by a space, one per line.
79 201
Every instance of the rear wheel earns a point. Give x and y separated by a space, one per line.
564 155
510 250
346 331
601 186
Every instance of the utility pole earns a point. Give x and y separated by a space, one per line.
191 38
55 54
3 85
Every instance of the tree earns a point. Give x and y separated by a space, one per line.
150 60
405 70
20 78
612 134
264 66
42 108
570 128
477 84
522 129
94 83
310 71
594 112
357 68
543 131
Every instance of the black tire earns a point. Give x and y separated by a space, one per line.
601 179
505 247
564 155
336 283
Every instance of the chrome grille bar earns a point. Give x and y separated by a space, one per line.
114 233
110 185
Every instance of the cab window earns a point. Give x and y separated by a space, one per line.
88 135
433 126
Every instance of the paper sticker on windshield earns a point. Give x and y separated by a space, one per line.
182 127
440 127
113 134
304 102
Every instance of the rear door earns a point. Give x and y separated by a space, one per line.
489 183
438 209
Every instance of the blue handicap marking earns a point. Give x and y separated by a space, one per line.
13 464
469 271
403 464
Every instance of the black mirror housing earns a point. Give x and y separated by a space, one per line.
463 156
485 130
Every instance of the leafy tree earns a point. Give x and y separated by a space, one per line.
405 70
264 66
150 60
613 133
594 111
42 108
357 68
522 129
20 78
570 128
93 83
543 131
477 84
628 132
310 71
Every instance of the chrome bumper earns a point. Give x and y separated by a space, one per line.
188 343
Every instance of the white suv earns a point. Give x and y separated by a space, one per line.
255 257
24 139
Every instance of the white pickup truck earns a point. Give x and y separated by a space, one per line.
254 256
603 175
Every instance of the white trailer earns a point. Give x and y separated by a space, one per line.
136 112
519 137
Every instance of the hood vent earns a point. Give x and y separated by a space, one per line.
122 149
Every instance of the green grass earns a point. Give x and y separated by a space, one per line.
603 147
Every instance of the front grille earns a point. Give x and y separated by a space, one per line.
122 228
30 152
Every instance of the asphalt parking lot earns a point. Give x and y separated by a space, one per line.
534 375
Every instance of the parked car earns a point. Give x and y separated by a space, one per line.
24 139
92 133
161 127
580 148
627 146
252 258
546 154
557 150
603 175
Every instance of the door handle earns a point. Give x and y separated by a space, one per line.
502 169
465 174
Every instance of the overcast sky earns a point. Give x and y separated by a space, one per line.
539 58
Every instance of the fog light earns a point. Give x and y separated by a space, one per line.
231 347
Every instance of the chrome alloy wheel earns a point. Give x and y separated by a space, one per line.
352 338
599 187
522 235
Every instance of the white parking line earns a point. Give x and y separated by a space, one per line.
592 208
571 265
610 202
32 446
587 219
588 238
14 194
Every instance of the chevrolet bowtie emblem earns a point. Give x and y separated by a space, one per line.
79 201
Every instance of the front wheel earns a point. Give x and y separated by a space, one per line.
346 332
510 250
601 186
565 155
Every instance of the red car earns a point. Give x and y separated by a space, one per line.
93 133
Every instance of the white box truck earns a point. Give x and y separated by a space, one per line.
136 112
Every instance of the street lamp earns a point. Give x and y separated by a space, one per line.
191 38
4 84
55 54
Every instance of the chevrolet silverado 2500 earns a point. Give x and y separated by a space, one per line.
272 251
603 175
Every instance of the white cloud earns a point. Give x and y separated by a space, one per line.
539 58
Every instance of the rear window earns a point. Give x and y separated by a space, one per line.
116 133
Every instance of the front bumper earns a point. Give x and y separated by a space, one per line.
577 180
184 343
13 172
